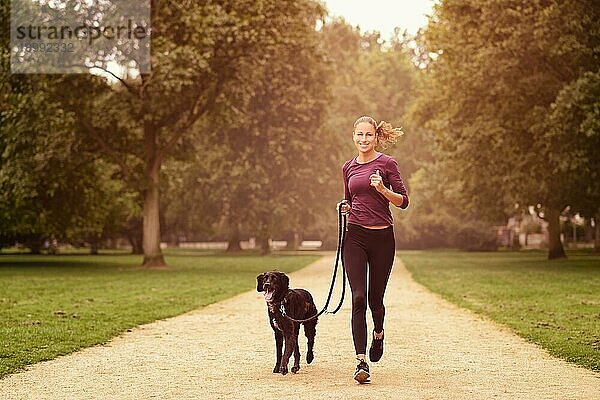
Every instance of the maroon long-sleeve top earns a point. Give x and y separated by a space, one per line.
369 207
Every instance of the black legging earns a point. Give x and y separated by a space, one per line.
377 248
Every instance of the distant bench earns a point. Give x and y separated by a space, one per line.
248 244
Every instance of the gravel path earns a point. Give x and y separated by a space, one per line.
434 350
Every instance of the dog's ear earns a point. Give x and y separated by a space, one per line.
285 280
259 282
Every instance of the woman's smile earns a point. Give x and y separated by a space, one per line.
364 138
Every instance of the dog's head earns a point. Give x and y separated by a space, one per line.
275 284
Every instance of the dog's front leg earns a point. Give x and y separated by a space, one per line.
310 332
278 350
290 341
296 366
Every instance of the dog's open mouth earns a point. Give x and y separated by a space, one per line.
268 293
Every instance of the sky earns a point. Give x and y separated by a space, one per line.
382 15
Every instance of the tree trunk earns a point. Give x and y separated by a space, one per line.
233 240
555 247
294 241
136 244
263 240
515 245
597 229
297 241
35 244
233 223
153 257
134 233
588 231
264 245
94 247
35 248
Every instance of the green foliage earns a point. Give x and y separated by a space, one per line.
254 66
257 172
554 304
572 139
488 94
53 306
435 218
45 166
248 115
273 169
429 219
475 236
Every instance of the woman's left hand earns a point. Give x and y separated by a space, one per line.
377 181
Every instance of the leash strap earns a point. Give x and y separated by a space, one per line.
339 256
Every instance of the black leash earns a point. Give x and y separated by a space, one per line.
338 257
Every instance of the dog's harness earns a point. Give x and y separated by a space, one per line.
338 257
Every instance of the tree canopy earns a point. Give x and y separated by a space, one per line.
497 76
242 125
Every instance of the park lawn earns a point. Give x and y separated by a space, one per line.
54 305
555 304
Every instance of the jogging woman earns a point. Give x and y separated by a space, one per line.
371 182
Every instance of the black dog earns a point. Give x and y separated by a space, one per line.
298 304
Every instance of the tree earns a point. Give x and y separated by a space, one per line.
572 139
275 154
44 166
197 51
279 167
498 68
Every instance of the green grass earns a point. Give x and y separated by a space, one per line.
553 303
54 305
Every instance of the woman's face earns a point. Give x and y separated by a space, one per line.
364 137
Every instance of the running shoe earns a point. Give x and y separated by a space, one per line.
362 374
376 350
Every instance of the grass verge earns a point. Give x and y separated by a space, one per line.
555 304
54 305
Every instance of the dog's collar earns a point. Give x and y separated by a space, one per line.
283 303
279 305
283 299
275 306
